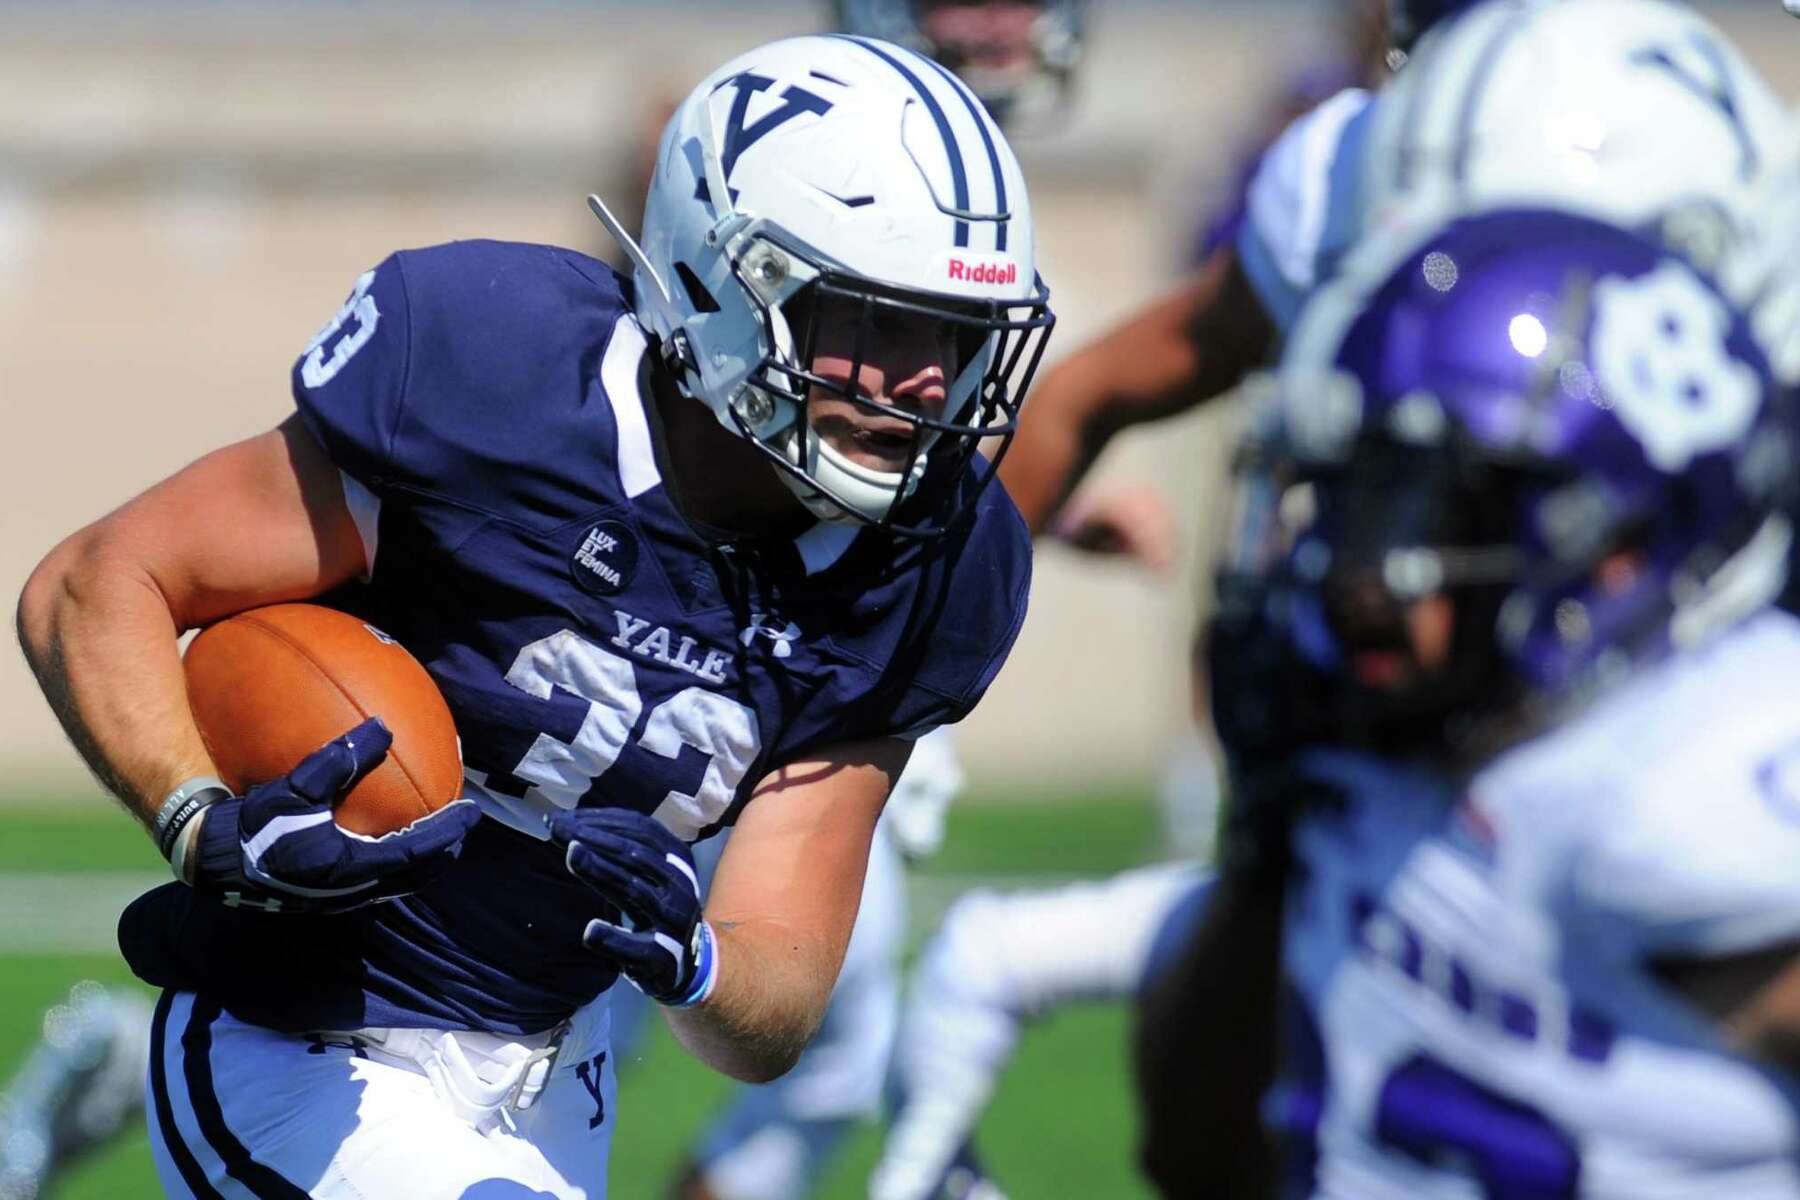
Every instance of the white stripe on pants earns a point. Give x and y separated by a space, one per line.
246 1113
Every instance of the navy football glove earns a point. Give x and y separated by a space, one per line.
277 848
647 873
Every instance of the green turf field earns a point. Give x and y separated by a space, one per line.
1061 1125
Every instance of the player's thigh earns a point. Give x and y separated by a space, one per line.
244 1113
568 1130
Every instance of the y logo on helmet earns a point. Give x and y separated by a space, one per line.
739 137
1700 65
1660 352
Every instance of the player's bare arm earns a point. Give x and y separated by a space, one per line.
782 906
1193 343
1754 997
257 522
1767 1024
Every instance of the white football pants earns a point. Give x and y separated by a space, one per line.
239 1112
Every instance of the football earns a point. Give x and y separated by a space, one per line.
271 685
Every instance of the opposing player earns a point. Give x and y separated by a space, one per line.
702 548
77 1089
1345 164
1646 72
1515 523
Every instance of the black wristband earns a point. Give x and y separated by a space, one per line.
218 854
181 806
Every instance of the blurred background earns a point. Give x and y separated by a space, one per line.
187 191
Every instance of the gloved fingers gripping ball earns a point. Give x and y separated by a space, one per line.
270 685
276 847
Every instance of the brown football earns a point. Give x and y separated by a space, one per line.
270 686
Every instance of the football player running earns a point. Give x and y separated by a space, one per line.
704 547
1513 524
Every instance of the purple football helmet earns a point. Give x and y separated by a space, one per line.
1539 451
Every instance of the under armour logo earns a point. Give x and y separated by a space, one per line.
762 625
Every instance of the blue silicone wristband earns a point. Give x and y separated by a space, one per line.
706 969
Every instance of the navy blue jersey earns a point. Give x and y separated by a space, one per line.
490 407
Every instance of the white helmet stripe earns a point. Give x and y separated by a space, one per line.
1425 101
959 173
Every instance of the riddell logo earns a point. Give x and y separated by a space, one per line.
965 271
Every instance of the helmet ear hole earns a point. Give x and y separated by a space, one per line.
698 296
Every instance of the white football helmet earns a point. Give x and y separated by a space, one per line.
841 170
1637 112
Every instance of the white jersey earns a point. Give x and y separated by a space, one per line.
1478 1019
1304 207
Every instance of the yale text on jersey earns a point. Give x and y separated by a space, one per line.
658 643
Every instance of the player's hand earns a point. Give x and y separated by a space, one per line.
647 873
1134 522
277 848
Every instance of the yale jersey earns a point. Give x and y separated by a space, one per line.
1304 205
488 405
1474 1010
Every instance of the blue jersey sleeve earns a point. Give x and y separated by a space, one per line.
970 618
466 373
350 382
